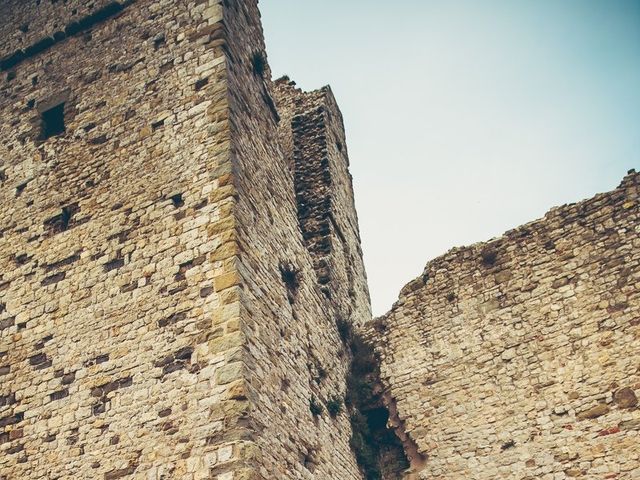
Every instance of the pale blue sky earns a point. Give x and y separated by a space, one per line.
466 118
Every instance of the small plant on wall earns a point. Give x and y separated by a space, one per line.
258 63
334 406
290 278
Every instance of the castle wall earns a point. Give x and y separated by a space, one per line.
295 357
518 358
110 292
160 313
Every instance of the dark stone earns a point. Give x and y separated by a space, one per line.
98 408
173 367
98 140
184 353
625 398
114 264
38 359
102 359
595 412
11 420
176 317
9 399
59 395
129 287
7 322
15 449
165 361
123 472
64 262
53 279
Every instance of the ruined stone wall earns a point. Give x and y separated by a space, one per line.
313 138
110 295
519 358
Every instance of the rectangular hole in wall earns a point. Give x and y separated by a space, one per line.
52 122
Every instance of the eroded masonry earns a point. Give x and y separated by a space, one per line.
183 296
177 241
520 358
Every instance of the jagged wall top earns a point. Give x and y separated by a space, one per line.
518 357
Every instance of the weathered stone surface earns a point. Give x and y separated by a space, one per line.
519 358
594 412
145 329
177 256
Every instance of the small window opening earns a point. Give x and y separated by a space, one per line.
177 200
53 121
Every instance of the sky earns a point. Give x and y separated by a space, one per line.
466 118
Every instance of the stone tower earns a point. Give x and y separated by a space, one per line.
177 243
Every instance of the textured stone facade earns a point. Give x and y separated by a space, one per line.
520 358
182 287
162 315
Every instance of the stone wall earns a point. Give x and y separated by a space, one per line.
313 140
160 313
33 25
519 358
181 276
295 362
109 291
